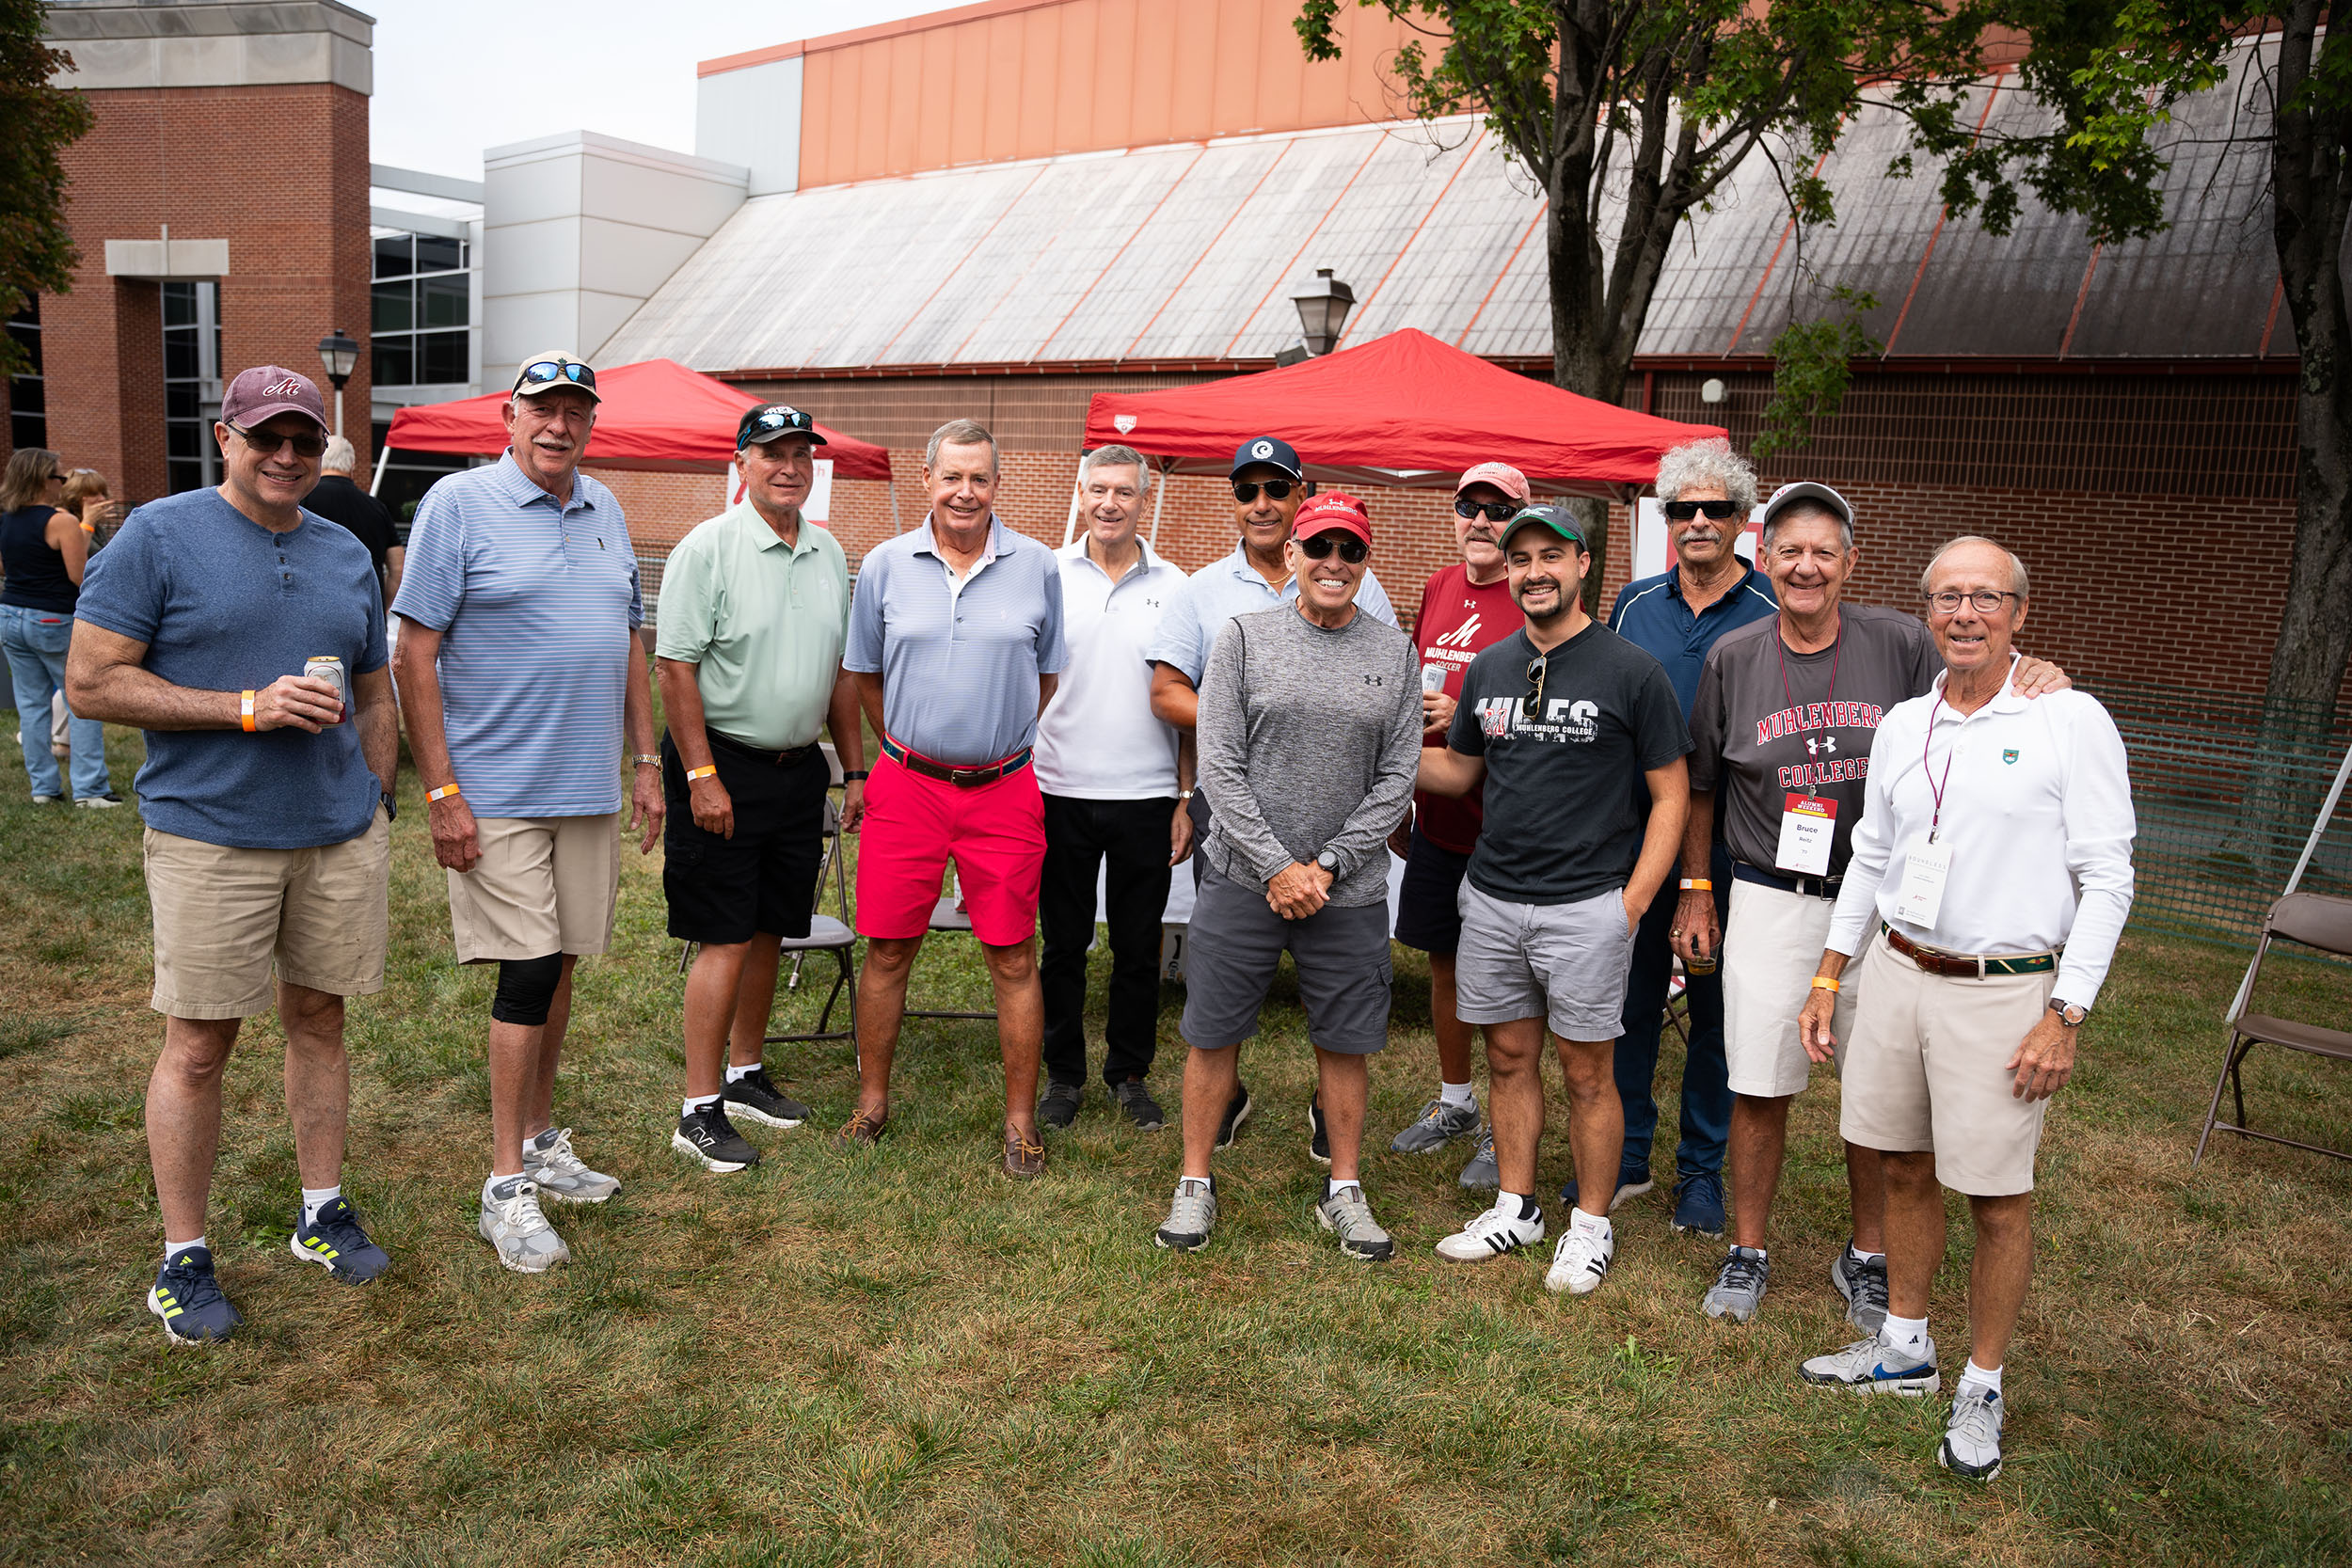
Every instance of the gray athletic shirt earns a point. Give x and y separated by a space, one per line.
1773 736
1309 740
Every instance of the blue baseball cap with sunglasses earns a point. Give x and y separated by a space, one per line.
772 422
546 372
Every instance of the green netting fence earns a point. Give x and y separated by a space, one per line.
2225 799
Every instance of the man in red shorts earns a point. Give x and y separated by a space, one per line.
956 644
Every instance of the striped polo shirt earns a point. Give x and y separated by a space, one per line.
537 606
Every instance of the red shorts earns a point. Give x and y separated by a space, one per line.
995 833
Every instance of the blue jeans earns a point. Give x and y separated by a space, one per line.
36 642
1705 1087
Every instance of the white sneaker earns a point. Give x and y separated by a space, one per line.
1581 1261
1500 1229
1972 1441
562 1175
512 1223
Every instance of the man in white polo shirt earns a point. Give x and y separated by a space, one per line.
1116 781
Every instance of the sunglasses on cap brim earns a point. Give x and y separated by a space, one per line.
1682 512
775 422
547 373
1319 546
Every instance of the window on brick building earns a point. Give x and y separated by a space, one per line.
191 384
421 315
28 403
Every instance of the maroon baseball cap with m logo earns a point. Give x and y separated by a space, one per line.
267 390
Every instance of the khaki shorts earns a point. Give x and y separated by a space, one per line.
543 884
1771 947
1928 1070
224 915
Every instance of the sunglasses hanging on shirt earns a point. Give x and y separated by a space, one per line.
1351 548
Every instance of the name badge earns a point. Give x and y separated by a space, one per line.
1808 826
1925 869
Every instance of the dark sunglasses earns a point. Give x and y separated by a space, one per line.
307 444
1275 489
547 372
1351 548
1537 668
773 420
1682 512
1494 511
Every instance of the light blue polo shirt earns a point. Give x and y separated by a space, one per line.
960 662
537 606
1223 589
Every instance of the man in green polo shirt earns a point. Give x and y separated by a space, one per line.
755 609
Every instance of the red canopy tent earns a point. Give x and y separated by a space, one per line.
1403 398
657 416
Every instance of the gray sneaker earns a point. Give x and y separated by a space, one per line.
510 1221
1738 1292
1481 1175
1875 1367
1438 1125
1972 1439
562 1175
1190 1219
1348 1214
1864 1286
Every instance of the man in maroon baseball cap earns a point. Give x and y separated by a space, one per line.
266 392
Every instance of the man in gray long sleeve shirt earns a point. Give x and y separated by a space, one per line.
1309 732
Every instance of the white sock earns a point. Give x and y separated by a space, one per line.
1591 1224
1458 1095
172 1248
1211 1181
544 1141
1974 1376
1861 1257
694 1102
316 1200
1905 1333
736 1074
1333 1189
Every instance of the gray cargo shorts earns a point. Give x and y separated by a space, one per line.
1564 963
1235 941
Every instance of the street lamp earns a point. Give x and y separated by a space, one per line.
1322 308
338 354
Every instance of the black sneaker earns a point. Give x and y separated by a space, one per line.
708 1137
1236 1112
187 1298
1140 1107
336 1240
756 1098
1058 1105
1318 1138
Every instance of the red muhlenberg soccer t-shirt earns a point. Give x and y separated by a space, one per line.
1457 619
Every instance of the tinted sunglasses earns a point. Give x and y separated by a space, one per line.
1275 489
1682 512
547 372
773 420
1494 511
1351 548
307 444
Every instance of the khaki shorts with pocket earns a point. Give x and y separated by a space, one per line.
543 884
225 916
1772 948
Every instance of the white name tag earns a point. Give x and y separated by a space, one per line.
1807 828
1925 869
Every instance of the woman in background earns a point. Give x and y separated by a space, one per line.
42 550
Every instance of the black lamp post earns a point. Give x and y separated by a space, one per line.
338 354
1322 308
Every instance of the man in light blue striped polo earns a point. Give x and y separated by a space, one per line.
519 670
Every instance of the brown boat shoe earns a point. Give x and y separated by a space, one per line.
862 1130
1023 1159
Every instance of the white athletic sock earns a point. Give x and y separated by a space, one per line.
1974 1376
694 1102
1458 1095
1905 1333
1333 1189
544 1141
1180 1185
736 1074
1861 1257
316 1200
1591 1224
173 1248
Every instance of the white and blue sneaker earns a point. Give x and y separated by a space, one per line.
335 1242
1874 1366
187 1300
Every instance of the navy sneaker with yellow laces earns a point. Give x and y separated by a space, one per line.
187 1299
335 1241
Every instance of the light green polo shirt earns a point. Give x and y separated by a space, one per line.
762 625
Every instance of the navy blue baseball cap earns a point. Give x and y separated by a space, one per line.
770 420
1272 450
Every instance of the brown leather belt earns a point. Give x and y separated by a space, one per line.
1971 966
962 778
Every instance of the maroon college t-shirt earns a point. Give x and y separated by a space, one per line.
1457 619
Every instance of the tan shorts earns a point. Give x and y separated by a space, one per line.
543 884
1929 1070
223 915
1771 947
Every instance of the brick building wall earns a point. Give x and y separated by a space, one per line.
278 171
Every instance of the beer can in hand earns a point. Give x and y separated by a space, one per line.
1432 678
328 668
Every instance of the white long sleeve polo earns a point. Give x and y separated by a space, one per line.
2037 816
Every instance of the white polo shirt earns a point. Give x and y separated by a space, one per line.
2037 812
1098 740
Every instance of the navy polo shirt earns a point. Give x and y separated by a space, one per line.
1652 614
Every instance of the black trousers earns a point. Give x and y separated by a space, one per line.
1079 836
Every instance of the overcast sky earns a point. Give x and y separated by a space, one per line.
455 76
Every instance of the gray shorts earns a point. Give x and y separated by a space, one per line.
1564 963
1342 955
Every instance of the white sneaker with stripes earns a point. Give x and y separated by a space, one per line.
1513 1223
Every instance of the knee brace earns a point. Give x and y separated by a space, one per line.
527 989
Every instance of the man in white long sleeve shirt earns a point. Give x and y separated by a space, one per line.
1991 877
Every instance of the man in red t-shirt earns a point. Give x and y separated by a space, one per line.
1463 609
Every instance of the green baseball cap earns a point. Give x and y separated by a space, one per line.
1557 518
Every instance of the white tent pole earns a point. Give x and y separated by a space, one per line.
381 458
1159 496
1070 527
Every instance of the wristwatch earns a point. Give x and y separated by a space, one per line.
2072 1013
1330 861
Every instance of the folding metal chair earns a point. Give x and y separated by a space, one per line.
1679 1006
2314 920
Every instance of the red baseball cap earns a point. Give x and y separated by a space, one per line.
1333 509
266 392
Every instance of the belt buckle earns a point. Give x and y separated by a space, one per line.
968 778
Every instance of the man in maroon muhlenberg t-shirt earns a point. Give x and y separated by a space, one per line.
1463 609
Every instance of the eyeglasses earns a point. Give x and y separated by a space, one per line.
1682 512
772 419
305 444
1275 489
1986 600
1494 511
547 372
1537 668
1351 548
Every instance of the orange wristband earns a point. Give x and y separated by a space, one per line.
447 792
245 711
693 773
1822 982
1697 884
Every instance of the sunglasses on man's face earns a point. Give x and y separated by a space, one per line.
1682 512
1351 548
1275 489
549 371
1494 511
266 442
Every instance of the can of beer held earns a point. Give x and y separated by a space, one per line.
1432 678
329 667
